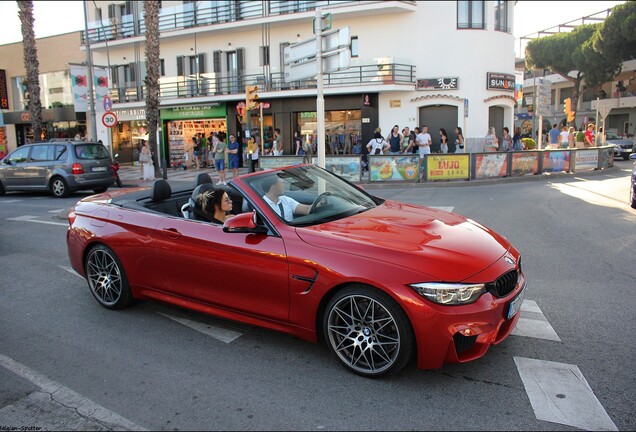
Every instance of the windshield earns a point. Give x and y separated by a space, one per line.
91 151
311 195
612 136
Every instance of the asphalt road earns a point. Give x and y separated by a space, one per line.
67 363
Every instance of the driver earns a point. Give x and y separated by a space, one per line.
283 205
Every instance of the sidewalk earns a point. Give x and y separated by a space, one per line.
131 175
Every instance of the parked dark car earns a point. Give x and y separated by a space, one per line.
632 187
60 167
622 146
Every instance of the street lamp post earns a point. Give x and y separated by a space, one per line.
89 71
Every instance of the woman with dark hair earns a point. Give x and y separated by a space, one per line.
443 139
298 144
215 205
459 141
377 145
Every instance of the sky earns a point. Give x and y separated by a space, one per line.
57 17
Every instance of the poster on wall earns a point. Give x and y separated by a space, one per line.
3 142
556 161
526 163
448 167
347 167
394 168
491 165
585 160
270 162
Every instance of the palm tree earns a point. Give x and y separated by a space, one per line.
32 66
153 65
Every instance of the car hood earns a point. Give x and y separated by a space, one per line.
620 141
436 242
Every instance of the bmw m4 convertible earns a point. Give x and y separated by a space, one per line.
302 251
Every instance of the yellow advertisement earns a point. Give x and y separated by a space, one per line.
448 166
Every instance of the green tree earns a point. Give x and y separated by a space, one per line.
153 67
32 67
616 39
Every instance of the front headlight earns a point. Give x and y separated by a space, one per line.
449 293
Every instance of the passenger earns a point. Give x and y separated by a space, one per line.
215 206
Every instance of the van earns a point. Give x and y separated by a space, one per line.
57 167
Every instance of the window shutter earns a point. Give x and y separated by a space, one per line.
240 60
216 61
202 63
180 65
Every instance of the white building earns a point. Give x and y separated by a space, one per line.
443 64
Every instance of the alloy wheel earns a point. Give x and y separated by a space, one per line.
104 277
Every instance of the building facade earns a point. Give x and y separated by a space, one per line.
441 64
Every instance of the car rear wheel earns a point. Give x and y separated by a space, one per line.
2 191
106 278
100 190
59 187
368 332
632 196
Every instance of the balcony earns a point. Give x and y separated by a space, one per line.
221 86
231 14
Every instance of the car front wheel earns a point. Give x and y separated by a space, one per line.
106 278
59 188
368 332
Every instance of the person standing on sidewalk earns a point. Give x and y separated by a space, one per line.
234 158
219 157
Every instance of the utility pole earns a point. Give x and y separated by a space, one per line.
89 71
320 100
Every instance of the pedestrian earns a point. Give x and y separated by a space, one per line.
506 141
554 136
443 139
517 141
423 142
459 141
377 145
564 137
406 138
141 166
145 158
219 157
571 137
589 135
395 141
234 158
277 145
580 138
491 142
254 155
298 145
195 151
413 148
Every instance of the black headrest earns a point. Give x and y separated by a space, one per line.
161 190
202 178
200 189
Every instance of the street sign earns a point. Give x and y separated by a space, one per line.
109 119
331 41
325 23
332 62
108 103
544 95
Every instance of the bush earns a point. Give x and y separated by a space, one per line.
529 143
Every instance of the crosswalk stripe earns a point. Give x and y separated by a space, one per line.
70 270
559 393
224 335
533 323
28 218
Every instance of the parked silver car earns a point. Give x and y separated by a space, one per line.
622 146
58 167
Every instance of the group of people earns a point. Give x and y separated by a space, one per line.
569 137
508 142
417 141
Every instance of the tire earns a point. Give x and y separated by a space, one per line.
100 190
632 196
368 332
59 187
2 191
106 278
625 156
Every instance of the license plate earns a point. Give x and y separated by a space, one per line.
515 304
98 169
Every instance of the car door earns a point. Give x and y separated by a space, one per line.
39 162
240 271
15 169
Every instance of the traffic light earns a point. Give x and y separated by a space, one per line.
251 97
567 109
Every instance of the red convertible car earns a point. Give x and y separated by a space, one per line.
309 254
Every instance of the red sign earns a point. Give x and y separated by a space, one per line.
109 119
265 105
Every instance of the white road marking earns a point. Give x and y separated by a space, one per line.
28 218
533 323
11 201
66 402
56 211
224 335
448 209
559 393
70 270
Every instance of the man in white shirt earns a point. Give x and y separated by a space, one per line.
283 205
423 141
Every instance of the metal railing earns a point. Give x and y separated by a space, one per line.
218 84
188 16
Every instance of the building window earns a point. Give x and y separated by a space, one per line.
263 59
355 50
501 16
470 15
163 68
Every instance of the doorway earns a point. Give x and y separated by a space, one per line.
436 117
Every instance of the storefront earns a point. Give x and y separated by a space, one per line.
182 123
60 122
127 136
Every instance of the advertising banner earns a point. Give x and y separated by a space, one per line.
269 162
100 76
556 161
394 168
79 87
526 163
448 167
3 142
585 160
608 157
347 167
491 165
4 92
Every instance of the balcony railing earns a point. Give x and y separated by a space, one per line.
189 16
217 84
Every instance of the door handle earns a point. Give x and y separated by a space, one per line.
171 232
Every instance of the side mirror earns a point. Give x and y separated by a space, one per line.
244 223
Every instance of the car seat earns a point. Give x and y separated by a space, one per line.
192 209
